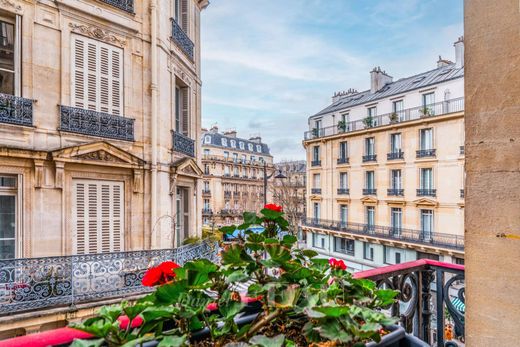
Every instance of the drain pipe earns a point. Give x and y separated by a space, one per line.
154 91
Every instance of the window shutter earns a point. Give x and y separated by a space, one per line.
79 221
185 111
184 15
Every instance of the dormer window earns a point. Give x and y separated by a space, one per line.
233 143
259 148
224 142
242 145
250 147
207 139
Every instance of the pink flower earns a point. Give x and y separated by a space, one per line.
337 264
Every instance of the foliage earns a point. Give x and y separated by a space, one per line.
393 117
296 290
342 126
426 111
315 132
369 122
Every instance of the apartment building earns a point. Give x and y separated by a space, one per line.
233 176
99 119
386 169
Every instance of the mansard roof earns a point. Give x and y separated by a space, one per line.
216 140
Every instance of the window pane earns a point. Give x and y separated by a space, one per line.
7 216
6 82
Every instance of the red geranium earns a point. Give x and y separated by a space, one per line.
161 274
337 264
274 207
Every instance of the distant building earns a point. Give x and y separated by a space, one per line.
233 176
386 169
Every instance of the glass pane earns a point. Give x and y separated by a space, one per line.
7 216
6 82
7 249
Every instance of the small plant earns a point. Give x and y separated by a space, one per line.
342 126
426 111
301 299
368 122
315 132
394 118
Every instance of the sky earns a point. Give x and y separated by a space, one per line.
267 65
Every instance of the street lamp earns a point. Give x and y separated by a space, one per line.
279 175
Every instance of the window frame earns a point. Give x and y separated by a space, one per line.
15 20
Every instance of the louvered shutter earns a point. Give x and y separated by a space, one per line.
185 111
184 15
97 216
97 76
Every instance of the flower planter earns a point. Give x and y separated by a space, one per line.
398 338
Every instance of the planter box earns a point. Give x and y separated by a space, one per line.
398 338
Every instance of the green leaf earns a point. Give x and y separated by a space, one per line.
309 253
270 214
236 255
289 240
111 313
333 311
249 218
230 309
237 276
153 313
332 330
173 341
278 253
264 341
170 293
228 229
87 343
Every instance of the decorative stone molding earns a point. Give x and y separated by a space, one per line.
38 173
100 155
97 33
10 5
60 175
138 181
174 65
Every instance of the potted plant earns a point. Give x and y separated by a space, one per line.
315 132
368 122
394 118
296 299
425 112
342 126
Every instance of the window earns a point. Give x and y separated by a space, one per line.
235 171
396 216
206 204
235 157
459 261
343 180
368 251
316 181
182 111
371 113
426 138
371 217
253 158
426 178
370 146
10 57
233 143
206 185
369 180
226 155
395 143
244 158
398 108
317 124
226 170
345 246
261 159
396 179
97 216
206 169
97 70
316 153
391 255
8 217
343 214
250 147
316 211
318 240
207 139
343 154
426 224
182 208
224 141
428 99
259 148
180 14
241 145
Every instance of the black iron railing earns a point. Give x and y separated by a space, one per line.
316 163
183 144
342 161
369 191
206 192
16 110
461 150
125 5
93 123
343 191
36 283
182 39
395 192
207 211
410 114
227 194
462 193
229 212
315 190
407 235
395 155
426 153
426 192
369 157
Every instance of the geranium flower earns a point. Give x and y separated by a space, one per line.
161 274
337 264
274 207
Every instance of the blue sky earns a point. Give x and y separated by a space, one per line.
268 65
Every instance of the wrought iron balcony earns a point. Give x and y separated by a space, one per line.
369 191
229 212
182 39
369 157
207 211
315 190
426 153
461 150
395 192
462 193
35 283
426 192
316 163
419 237
125 5
16 110
343 161
183 144
227 194
206 192
343 191
395 155
93 123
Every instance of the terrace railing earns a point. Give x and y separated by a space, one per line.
38 283
125 5
183 144
410 114
16 110
384 232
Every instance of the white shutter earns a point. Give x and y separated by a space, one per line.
97 72
185 93
184 16
98 216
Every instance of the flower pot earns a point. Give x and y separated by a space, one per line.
398 338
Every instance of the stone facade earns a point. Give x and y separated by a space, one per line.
98 148
233 180
385 170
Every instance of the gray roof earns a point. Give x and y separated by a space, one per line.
292 166
216 140
428 78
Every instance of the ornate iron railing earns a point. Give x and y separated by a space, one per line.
395 192
395 155
343 191
343 160
315 190
36 283
426 153
93 123
383 232
427 192
418 282
183 144
316 163
369 191
410 114
369 157
182 39
16 110
125 5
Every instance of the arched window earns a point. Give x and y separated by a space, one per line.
207 139
259 148
224 142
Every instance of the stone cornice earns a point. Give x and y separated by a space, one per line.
98 34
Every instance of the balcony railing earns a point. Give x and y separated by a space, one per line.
462 193
125 5
369 191
206 192
207 211
411 114
227 194
315 190
395 192
343 191
395 155
461 150
426 153
316 163
183 144
426 192
182 39
93 123
36 283
16 110
369 157
343 161
390 233
229 212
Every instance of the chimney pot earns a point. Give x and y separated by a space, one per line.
459 52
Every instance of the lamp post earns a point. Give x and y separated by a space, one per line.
266 177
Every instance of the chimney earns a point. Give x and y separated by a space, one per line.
214 129
230 133
443 62
459 52
339 95
378 79
256 139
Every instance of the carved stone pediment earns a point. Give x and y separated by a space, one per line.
186 167
97 33
425 202
11 5
100 155
368 200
